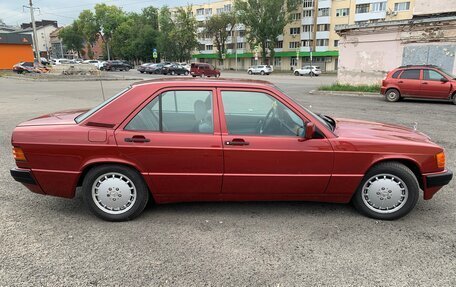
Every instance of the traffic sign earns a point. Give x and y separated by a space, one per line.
154 54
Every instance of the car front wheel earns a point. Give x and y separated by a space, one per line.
392 95
388 191
296 73
115 192
249 72
454 99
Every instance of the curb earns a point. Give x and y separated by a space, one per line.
64 79
345 93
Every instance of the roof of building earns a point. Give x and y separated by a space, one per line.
13 38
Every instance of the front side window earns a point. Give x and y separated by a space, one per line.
176 111
431 75
412 74
255 113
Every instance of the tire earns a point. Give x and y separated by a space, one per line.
391 183
172 73
296 73
127 69
186 73
98 192
262 73
142 72
194 76
392 95
249 72
454 99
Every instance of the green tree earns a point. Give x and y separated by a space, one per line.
90 30
265 20
184 34
166 47
108 18
219 27
72 37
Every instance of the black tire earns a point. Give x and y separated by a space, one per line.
262 73
142 72
454 99
392 95
249 72
194 76
95 175
296 73
186 73
127 69
388 175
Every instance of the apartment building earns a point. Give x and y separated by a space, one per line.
310 36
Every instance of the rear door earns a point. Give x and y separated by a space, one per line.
174 138
432 85
409 82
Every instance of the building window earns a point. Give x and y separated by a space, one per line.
279 44
240 45
209 47
208 11
200 11
307 3
307 13
227 8
296 16
378 7
402 6
323 12
294 45
277 62
336 43
342 12
322 42
242 33
295 31
307 28
219 10
323 27
293 61
362 8
307 43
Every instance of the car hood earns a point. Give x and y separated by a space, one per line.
377 131
58 118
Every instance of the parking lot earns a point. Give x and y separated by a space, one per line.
48 241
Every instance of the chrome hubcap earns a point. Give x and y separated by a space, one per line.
114 193
392 95
384 193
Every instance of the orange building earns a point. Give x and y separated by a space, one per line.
15 48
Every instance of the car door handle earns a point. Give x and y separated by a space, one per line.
425 83
137 139
237 142
400 82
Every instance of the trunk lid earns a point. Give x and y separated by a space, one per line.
58 118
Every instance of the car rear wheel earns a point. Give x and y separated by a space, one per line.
249 72
392 95
115 192
388 191
186 73
454 99
296 73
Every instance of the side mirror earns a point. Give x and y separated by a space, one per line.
308 132
444 80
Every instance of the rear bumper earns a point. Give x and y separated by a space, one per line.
439 179
22 176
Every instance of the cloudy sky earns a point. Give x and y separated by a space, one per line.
65 11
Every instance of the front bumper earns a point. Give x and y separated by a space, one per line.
439 179
22 176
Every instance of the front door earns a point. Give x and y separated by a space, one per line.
432 85
175 141
265 156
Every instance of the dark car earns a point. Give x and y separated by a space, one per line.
154 69
419 81
117 65
174 69
142 68
23 67
203 69
177 141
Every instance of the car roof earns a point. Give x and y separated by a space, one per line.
205 82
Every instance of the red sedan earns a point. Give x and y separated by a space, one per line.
218 140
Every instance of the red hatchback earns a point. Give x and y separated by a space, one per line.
203 70
420 81
202 140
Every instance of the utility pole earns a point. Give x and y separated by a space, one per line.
35 39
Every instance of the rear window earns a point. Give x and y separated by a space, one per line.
396 74
412 74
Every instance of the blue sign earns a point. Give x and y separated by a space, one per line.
154 50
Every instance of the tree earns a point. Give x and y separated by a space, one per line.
219 27
89 29
72 37
265 20
108 18
166 46
184 34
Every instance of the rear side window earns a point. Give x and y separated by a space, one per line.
413 74
396 74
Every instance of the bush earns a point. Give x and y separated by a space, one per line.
351 88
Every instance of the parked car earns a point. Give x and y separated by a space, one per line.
117 65
174 69
142 68
238 140
260 69
62 61
96 63
23 67
308 70
154 69
419 81
203 69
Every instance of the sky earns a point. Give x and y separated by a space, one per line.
65 11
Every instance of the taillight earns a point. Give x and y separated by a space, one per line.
440 158
18 154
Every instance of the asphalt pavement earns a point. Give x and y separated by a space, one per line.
49 241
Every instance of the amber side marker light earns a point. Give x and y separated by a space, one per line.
440 157
18 154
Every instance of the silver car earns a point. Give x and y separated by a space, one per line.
308 70
260 69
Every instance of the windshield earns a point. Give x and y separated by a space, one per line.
448 74
87 114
